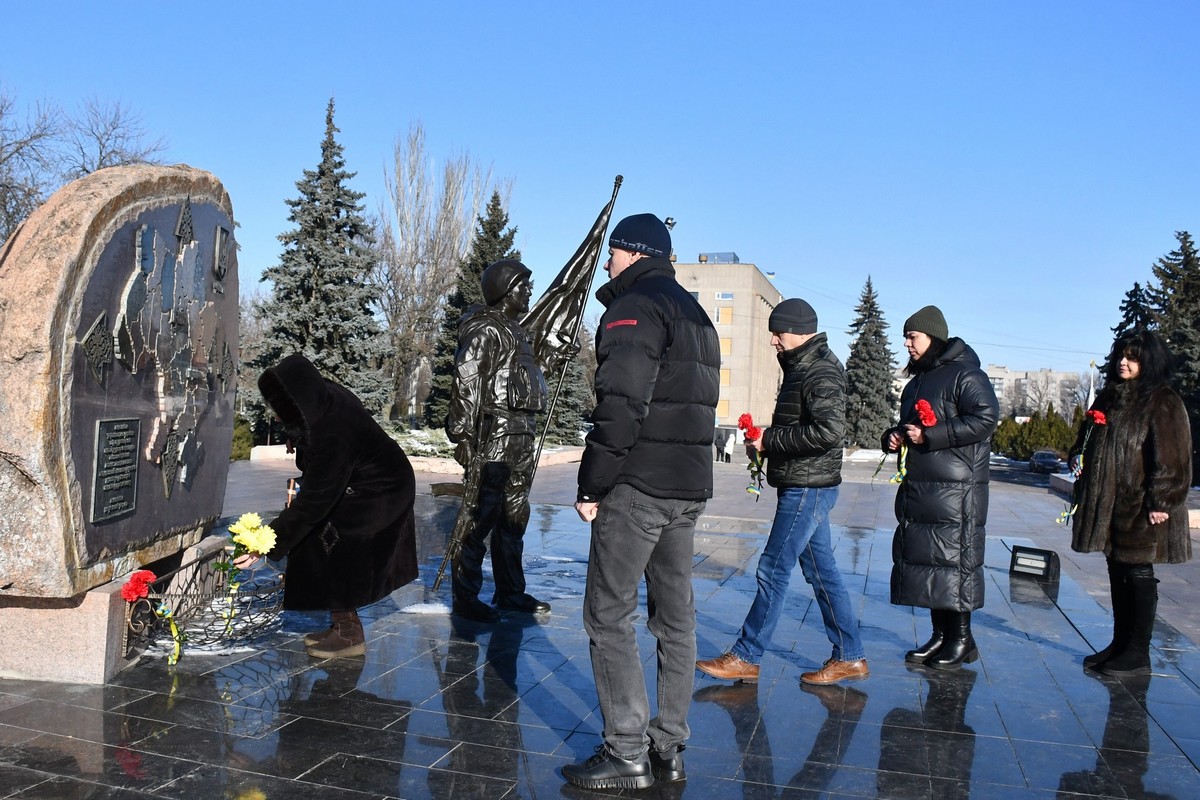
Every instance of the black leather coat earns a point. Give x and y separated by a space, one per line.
349 534
657 384
804 443
942 503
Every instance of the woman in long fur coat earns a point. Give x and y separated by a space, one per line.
1133 466
349 534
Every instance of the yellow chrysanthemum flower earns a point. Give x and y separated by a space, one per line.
256 540
246 522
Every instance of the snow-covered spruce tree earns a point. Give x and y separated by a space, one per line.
322 304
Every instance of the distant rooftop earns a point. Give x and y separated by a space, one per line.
720 258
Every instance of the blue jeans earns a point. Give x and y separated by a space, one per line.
800 533
633 535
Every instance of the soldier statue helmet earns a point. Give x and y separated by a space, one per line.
500 277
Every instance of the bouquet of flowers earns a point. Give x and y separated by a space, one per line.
1094 418
752 434
926 418
250 535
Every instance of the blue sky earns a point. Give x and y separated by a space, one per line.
1019 164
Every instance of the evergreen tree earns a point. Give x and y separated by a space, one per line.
870 389
1176 306
322 302
574 403
1136 314
492 242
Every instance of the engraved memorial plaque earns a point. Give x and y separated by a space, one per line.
119 361
114 483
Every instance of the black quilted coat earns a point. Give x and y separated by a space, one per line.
657 385
349 534
942 503
804 442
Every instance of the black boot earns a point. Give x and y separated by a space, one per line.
473 608
667 765
959 647
1135 658
934 644
1122 603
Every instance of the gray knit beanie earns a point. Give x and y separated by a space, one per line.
929 321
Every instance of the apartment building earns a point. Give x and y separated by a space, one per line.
1022 392
739 299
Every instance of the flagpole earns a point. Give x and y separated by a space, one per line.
537 456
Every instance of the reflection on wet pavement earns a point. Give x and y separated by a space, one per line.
442 708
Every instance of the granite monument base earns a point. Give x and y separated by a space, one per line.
73 640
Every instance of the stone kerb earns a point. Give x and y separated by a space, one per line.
118 356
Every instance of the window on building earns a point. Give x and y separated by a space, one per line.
722 409
726 380
723 315
724 295
727 347
695 295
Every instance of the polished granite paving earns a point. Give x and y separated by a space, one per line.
441 708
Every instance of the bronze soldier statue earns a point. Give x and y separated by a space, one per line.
498 388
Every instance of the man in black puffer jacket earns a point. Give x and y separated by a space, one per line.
645 475
803 448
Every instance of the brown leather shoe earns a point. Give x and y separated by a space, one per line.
729 667
834 671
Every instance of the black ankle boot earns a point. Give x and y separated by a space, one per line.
959 647
926 650
473 608
667 765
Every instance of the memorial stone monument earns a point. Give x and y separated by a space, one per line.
118 359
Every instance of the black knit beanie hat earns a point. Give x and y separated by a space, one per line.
793 316
928 320
642 233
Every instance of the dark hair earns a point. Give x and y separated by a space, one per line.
1150 351
929 359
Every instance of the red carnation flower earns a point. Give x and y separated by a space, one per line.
925 414
1097 417
753 434
138 585
745 422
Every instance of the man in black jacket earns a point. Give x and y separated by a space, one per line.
803 448
643 481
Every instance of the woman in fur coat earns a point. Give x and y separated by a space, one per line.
1133 466
349 534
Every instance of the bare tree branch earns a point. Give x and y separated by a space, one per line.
423 233
105 134
27 155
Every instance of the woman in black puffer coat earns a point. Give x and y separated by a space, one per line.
1133 466
942 502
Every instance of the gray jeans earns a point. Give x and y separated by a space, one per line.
633 535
